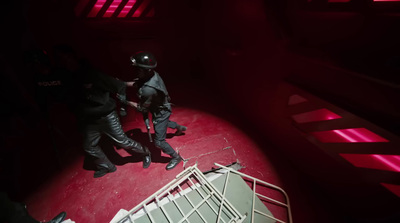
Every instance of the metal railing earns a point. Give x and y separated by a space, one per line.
195 182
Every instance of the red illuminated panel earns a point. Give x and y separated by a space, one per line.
393 188
111 9
348 136
127 8
141 8
314 116
296 99
96 8
374 161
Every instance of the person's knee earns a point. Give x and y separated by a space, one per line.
159 144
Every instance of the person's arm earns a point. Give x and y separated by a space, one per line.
130 83
111 84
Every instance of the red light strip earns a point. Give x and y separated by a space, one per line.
111 9
141 8
315 116
355 135
129 5
386 0
96 8
374 161
393 188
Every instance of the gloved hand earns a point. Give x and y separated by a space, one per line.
122 112
122 98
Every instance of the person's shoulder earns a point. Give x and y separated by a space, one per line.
148 90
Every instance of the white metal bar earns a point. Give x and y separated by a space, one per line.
269 216
179 208
165 213
148 213
130 219
193 210
223 197
191 203
253 202
173 184
230 207
265 183
189 169
270 199
203 196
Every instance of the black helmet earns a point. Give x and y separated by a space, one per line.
144 59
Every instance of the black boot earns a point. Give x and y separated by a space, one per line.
59 218
19 214
146 158
180 129
176 159
103 171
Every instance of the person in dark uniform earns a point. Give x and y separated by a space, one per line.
49 88
15 212
154 99
95 108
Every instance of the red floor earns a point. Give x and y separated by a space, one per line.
215 134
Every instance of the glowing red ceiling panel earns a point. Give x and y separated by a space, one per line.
111 9
96 8
355 135
127 8
123 7
296 99
393 188
141 8
374 161
314 116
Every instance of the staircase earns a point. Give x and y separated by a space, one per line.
219 196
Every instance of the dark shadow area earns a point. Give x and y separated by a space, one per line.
218 57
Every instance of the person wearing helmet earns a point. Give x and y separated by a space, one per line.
95 109
154 99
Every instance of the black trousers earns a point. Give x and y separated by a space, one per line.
161 123
109 125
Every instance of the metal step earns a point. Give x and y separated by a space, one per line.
193 198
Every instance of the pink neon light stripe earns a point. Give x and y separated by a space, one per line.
296 99
386 0
141 8
129 5
96 8
315 116
374 161
393 188
355 135
389 161
111 9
